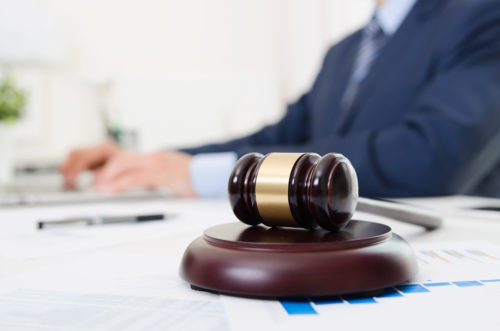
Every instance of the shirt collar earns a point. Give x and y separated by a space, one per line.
392 13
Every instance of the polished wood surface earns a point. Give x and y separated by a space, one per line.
241 189
259 261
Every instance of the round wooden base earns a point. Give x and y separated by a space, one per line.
259 261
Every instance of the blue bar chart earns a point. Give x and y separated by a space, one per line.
304 306
439 263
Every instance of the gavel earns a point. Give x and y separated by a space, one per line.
308 191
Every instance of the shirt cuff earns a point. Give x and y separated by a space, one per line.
210 172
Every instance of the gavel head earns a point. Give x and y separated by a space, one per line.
294 190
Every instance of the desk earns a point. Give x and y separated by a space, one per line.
77 280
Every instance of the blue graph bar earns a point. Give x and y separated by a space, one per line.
390 292
298 307
412 288
490 280
357 300
467 283
302 306
327 300
437 284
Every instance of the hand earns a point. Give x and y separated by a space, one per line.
89 158
128 170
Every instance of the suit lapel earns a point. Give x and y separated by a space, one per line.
395 46
333 80
341 77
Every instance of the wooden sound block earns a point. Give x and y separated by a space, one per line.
238 259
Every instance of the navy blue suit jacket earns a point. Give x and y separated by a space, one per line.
426 119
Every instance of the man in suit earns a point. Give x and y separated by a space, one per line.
412 99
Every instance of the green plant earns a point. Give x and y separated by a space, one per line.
12 101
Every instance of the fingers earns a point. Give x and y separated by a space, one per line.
124 182
86 158
113 177
125 171
76 162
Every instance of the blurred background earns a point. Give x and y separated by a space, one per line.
167 73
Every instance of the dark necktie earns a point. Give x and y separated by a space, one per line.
372 40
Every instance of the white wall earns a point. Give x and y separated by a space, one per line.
177 71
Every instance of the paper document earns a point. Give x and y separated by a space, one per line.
109 291
20 239
49 310
59 241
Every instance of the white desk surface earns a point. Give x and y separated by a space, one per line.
125 264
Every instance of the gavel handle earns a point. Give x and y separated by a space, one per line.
401 212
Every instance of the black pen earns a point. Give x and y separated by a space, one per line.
101 220
486 208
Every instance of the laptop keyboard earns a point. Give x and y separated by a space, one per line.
36 189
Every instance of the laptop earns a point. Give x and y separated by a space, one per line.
38 186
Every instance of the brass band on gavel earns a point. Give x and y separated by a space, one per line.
294 190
